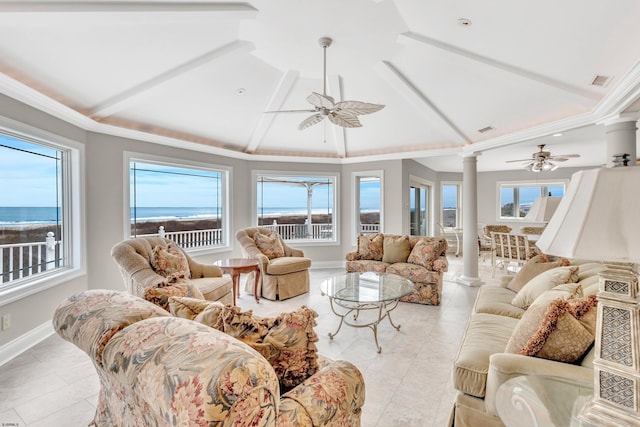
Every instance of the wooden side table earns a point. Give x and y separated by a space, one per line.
236 266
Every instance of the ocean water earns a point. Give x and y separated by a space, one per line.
11 216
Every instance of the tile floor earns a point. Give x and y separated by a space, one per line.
407 384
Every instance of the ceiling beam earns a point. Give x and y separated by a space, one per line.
121 100
275 103
335 89
238 10
423 104
418 39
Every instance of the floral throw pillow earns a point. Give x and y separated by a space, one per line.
169 261
370 246
425 252
269 244
160 295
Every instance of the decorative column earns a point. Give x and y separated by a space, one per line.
470 221
621 140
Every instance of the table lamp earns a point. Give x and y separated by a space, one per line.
542 209
599 219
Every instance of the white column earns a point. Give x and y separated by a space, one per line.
470 221
621 138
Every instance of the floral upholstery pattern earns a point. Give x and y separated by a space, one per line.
160 295
160 370
169 261
370 246
425 251
269 244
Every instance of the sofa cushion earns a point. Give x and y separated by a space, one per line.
486 334
535 266
288 264
395 248
213 288
370 246
269 244
169 262
543 282
363 266
554 331
497 300
426 251
413 272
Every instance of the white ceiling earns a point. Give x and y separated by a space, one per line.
200 74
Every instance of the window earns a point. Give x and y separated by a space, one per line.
184 203
37 230
298 207
420 216
516 199
451 205
367 202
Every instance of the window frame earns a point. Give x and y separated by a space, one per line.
459 210
74 240
297 174
429 186
543 184
225 210
355 201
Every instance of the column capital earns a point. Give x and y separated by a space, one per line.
469 155
621 118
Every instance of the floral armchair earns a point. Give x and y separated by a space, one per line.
159 370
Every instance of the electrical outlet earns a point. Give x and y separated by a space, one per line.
6 322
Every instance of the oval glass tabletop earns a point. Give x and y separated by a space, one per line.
366 287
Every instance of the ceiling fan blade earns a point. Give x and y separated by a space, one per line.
321 101
521 160
344 119
567 156
310 121
358 107
290 111
558 159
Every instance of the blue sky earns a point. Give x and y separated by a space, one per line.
27 179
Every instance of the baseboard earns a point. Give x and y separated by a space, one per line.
24 342
318 265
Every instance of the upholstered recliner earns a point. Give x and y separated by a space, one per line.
159 370
135 256
281 277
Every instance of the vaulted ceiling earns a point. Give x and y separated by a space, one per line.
455 77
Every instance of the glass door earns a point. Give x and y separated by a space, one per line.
419 214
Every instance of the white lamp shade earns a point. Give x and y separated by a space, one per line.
598 217
542 209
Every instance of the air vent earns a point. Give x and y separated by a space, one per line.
487 129
600 81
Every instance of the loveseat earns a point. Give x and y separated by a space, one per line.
518 327
420 259
156 369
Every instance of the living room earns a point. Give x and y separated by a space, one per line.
54 109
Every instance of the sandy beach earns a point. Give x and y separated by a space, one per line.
38 232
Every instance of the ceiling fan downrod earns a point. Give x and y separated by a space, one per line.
325 42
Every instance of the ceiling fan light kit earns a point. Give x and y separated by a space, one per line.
541 161
343 113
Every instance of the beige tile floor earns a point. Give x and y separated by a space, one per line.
407 384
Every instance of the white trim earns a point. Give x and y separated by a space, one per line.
24 342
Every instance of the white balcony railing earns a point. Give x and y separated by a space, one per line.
19 260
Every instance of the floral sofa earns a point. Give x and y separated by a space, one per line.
420 259
157 369
540 322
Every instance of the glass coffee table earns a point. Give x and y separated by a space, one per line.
351 294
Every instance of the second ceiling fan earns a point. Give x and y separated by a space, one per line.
542 160
343 113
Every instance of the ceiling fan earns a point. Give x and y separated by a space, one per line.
541 160
343 113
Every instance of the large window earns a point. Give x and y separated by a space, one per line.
516 198
367 202
297 206
37 217
185 203
451 205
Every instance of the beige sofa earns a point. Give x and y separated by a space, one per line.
420 259
482 364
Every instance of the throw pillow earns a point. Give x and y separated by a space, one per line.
536 265
555 331
270 245
190 308
426 251
170 262
568 291
543 282
286 341
396 249
160 295
370 246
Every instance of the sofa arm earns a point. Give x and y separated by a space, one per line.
199 270
441 264
504 366
297 252
332 396
352 256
